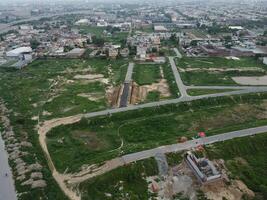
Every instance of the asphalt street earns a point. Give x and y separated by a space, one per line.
7 188
193 143
178 79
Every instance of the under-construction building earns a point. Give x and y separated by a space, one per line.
204 169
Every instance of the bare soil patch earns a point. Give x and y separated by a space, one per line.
89 139
92 78
250 80
139 93
91 96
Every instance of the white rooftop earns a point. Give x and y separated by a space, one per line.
18 51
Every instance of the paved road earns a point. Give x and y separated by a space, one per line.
178 54
224 87
124 95
126 87
193 143
173 101
7 188
128 78
133 157
178 79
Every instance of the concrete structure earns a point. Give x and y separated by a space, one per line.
75 53
113 53
236 27
82 22
160 29
141 52
124 52
18 52
203 168
265 60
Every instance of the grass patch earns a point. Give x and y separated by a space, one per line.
149 128
197 92
146 74
219 62
122 183
246 160
94 30
153 96
205 78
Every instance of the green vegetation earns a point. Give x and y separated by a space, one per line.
205 78
246 160
122 183
197 92
202 77
94 30
51 77
100 35
219 62
19 90
197 32
168 75
152 127
146 29
153 96
167 51
69 101
146 74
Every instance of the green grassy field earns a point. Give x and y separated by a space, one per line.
197 92
153 96
20 89
197 33
205 78
218 62
116 37
42 74
144 74
150 128
122 183
246 160
95 30
147 29
25 91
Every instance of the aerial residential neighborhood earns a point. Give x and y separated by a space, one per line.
133 100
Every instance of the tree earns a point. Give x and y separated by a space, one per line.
34 43
99 41
194 43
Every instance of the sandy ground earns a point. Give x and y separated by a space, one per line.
181 179
91 96
92 78
139 93
113 94
246 69
220 190
251 80
42 130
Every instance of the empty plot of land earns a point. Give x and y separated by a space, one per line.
146 74
251 80
218 62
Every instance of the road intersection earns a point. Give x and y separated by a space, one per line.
66 180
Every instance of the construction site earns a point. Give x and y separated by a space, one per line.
131 93
192 177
